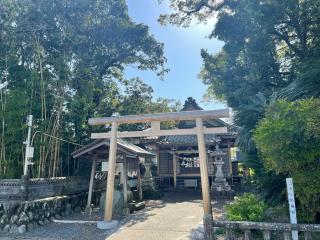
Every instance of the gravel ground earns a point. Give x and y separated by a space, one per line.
67 231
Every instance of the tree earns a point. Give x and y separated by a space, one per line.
271 51
288 139
64 62
267 44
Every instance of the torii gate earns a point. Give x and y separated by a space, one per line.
155 130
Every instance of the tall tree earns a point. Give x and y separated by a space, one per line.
271 51
64 61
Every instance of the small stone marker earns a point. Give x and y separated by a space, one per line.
107 225
139 206
22 229
292 207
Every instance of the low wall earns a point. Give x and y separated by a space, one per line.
19 217
27 203
41 188
10 189
31 189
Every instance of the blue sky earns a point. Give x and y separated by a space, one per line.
182 49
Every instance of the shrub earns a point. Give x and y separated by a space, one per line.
246 208
288 139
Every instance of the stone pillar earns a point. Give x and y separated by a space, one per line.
174 159
220 187
24 187
147 180
219 174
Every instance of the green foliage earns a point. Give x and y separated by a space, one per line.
246 208
64 62
306 83
272 50
289 142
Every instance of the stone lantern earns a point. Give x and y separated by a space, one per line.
147 179
220 186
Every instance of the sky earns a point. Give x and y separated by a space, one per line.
181 48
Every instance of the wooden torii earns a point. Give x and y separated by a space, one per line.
156 119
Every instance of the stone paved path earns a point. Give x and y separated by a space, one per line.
172 218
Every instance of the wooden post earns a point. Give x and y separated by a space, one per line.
174 159
139 182
111 171
230 162
207 208
93 170
158 161
124 182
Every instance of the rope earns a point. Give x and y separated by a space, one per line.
48 135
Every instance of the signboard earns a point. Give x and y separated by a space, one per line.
292 207
105 165
29 152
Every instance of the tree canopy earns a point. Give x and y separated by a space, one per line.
268 45
64 61
271 51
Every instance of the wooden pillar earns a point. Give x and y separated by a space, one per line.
230 163
124 182
139 181
111 171
93 170
174 159
207 208
158 162
203 168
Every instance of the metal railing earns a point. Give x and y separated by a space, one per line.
266 228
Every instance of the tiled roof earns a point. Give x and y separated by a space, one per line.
192 139
122 146
187 139
134 148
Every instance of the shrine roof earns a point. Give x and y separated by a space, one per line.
192 139
122 147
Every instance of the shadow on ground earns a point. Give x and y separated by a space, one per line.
148 216
168 198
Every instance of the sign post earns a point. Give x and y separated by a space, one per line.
29 149
292 206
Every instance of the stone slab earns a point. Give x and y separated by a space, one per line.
107 225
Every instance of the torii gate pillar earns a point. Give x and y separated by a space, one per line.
111 170
207 208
